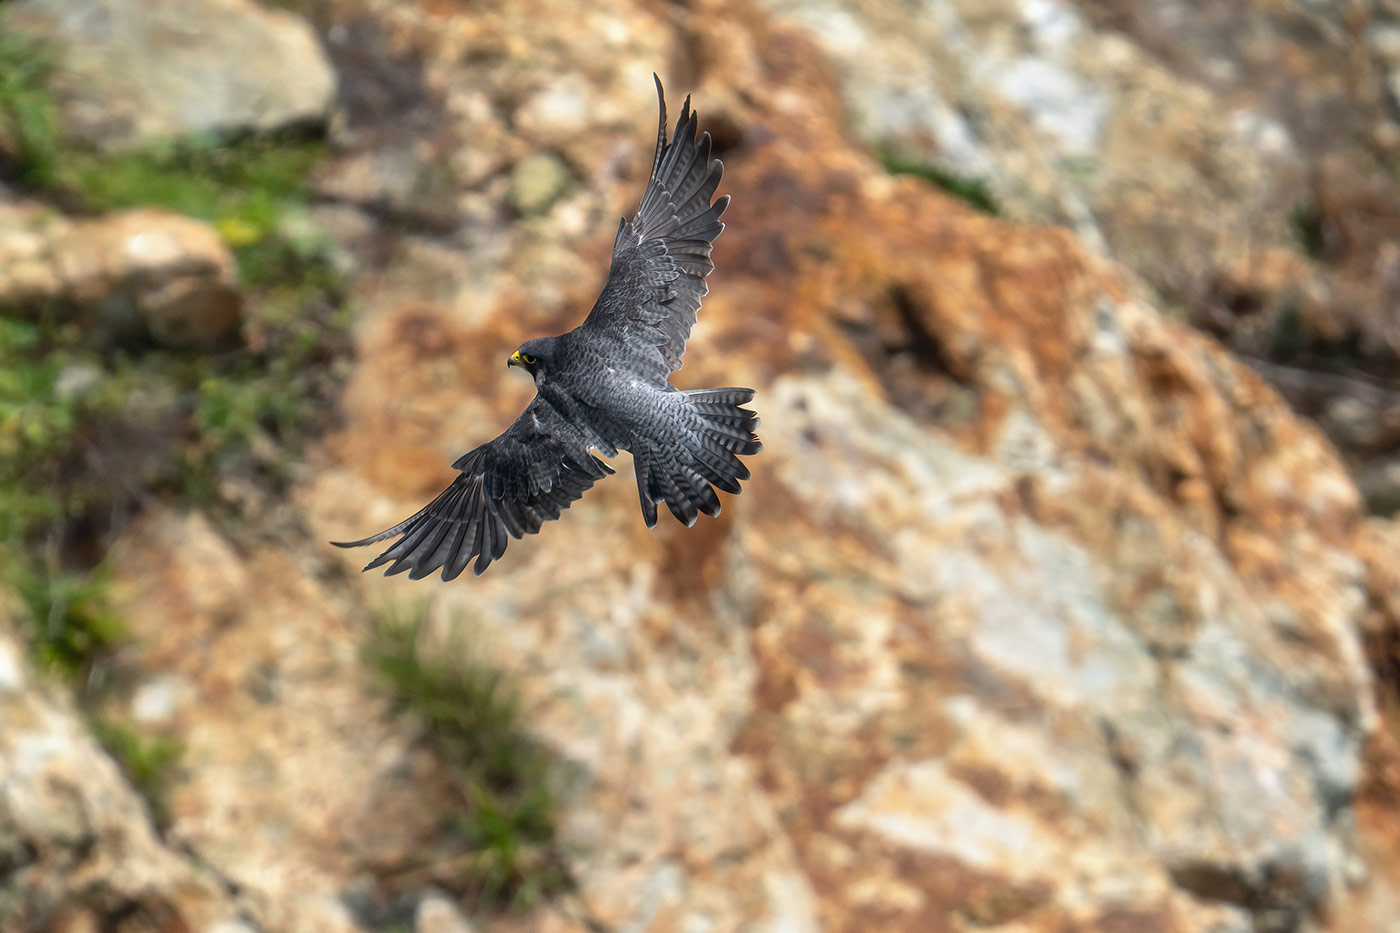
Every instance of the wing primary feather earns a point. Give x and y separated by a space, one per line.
510 518
484 555
398 529
452 547
429 551
479 545
407 551
463 554
661 123
495 537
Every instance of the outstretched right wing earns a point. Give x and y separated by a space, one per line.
508 487
662 255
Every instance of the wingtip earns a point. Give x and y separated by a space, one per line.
687 124
660 123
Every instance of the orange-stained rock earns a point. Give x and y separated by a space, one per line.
1040 613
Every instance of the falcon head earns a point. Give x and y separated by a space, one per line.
533 355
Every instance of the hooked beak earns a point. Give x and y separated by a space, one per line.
514 360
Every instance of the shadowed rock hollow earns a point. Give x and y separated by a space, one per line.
1041 612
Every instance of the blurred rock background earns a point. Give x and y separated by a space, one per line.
1065 596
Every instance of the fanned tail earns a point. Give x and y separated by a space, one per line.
684 472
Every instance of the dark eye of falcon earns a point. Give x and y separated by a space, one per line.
527 359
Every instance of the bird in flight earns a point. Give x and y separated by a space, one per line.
605 386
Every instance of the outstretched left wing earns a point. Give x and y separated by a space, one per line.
507 488
662 255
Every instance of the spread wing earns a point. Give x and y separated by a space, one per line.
662 255
507 488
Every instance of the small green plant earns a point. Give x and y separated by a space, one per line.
504 814
972 190
34 419
1308 226
149 762
73 625
28 114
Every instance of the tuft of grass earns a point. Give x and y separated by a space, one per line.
503 819
974 191
74 627
148 762
36 421
71 626
29 129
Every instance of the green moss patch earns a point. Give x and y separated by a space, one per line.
974 191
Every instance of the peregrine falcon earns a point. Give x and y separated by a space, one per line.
605 386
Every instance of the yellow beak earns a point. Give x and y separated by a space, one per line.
514 360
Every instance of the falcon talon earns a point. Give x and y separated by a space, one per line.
605 386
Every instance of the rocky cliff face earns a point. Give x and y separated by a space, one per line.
1041 612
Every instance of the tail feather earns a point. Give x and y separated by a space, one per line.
647 490
704 495
680 504
725 475
733 442
686 494
722 427
731 395
684 473
722 409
